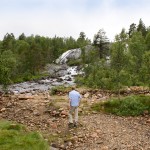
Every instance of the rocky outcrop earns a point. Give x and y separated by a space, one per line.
73 54
70 54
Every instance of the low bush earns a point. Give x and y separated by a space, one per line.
127 106
75 62
57 89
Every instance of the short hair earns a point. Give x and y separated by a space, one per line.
73 87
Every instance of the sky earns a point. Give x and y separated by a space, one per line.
65 18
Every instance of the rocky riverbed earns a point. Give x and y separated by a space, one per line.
59 75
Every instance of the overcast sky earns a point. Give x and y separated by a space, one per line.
66 18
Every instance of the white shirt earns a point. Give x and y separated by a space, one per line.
74 97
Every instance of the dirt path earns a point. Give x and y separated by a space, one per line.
98 131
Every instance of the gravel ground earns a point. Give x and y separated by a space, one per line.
107 132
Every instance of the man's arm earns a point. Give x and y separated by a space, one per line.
79 99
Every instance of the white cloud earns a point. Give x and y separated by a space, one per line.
69 17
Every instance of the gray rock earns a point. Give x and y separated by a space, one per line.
70 54
53 148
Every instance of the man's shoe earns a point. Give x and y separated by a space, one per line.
70 125
75 124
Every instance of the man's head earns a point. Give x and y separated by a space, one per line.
73 87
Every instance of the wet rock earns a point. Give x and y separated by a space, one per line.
69 143
148 121
54 145
104 148
87 95
9 105
36 113
24 97
64 113
53 125
59 80
100 95
62 146
68 79
53 148
61 109
3 109
94 135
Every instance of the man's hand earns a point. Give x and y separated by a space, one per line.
68 106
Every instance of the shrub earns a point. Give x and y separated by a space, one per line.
75 62
127 106
57 89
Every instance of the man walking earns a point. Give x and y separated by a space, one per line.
74 102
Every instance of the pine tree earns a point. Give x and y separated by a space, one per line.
132 29
141 28
119 61
102 43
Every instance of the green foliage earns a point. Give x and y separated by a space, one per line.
132 29
53 91
147 41
15 137
7 65
91 57
75 62
57 89
82 40
145 70
102 43
119 60
28 77
127 106
141 28
128 64
79 80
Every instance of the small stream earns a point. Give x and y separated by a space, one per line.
63 77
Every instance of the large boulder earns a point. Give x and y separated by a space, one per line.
70 54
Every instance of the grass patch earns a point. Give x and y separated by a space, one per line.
127 106
53 138
59 89
53 106
15 137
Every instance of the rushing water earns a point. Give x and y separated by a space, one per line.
62 75
66 79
